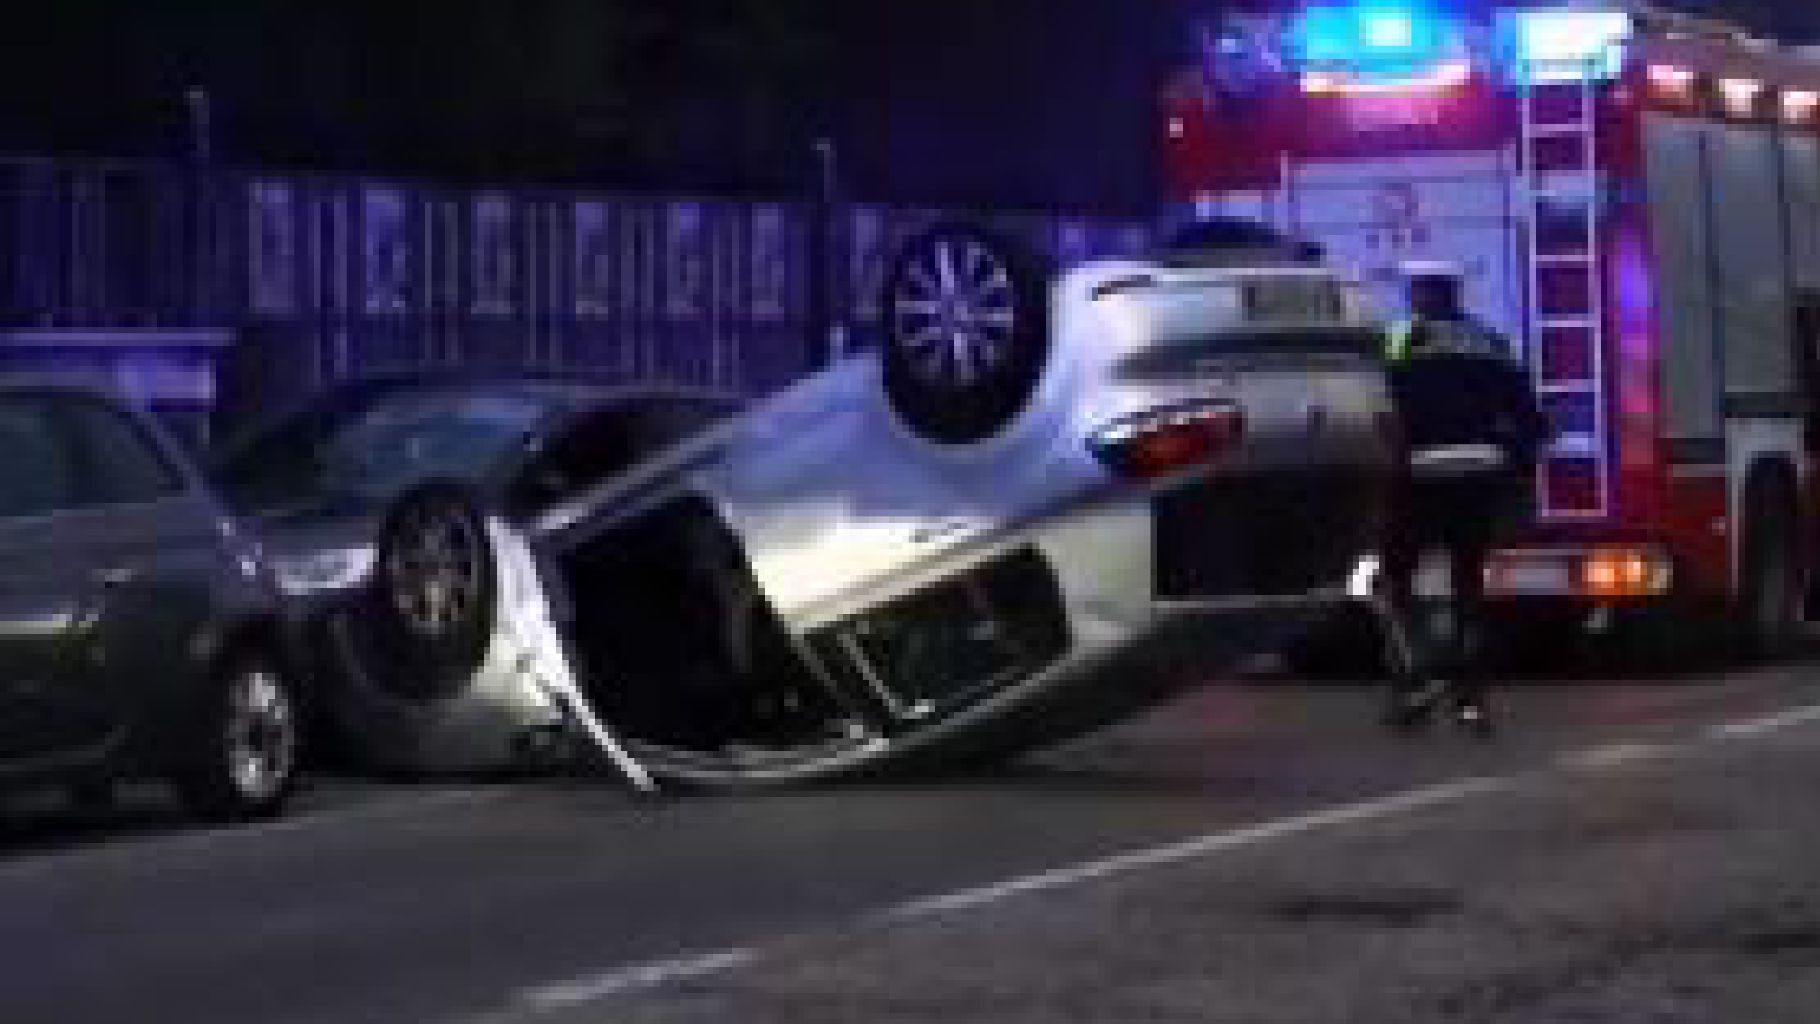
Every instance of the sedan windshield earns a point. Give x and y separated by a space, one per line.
434 435
376 448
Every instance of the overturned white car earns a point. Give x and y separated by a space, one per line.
1049 498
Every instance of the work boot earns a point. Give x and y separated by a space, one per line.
1473 717
1412 708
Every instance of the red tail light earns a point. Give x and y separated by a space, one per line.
1158 442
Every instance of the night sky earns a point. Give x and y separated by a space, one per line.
1037 102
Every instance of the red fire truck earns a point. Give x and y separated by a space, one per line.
1634 197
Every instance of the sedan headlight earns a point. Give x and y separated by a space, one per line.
330 569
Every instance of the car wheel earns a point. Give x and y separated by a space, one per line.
244 760
966 336
435 597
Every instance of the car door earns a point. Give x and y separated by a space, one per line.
42 582
148 544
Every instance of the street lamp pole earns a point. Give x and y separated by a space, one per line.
830 313
199 106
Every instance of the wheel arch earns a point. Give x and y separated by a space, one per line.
265 634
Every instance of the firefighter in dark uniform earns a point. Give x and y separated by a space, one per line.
1473 431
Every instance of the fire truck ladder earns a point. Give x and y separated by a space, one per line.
1566 308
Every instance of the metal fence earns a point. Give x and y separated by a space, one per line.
323 278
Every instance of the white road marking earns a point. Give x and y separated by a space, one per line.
656 973
1766 724
1618 755
638 976
653 974
1196 848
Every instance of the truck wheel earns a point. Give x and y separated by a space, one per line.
1770 598
966 337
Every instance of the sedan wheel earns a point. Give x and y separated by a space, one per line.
430 617
245 762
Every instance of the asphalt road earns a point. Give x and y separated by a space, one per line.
1627 851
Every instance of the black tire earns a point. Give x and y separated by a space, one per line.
1770 598
243 755
431 609
988 294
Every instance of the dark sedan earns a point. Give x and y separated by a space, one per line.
140 633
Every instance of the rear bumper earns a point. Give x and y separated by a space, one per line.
1589 572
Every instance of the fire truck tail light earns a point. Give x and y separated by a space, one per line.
1800 104
1606 573
1621 572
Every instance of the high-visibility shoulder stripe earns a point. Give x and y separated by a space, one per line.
1397 340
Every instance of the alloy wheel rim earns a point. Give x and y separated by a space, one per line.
436 572
261 735
955 313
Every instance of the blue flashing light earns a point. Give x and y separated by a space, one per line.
1373 38
1327 34
1388 30
1554 42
